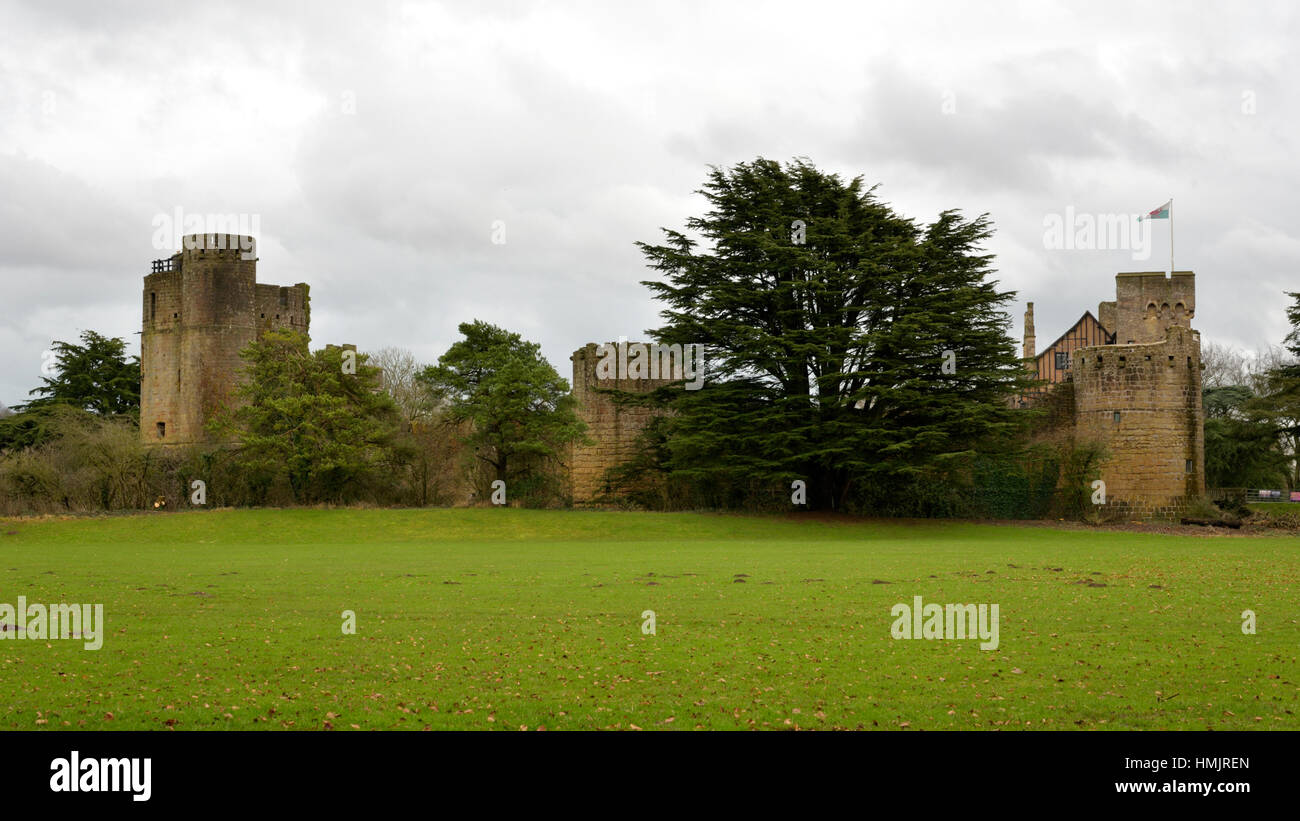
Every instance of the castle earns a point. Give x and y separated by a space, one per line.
1129 379
202 306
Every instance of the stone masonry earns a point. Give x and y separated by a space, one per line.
613 428
1149 303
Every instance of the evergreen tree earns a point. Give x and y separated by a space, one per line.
519 411
95 376
1241 447
845 345
1280 402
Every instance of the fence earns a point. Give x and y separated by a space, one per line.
1253 495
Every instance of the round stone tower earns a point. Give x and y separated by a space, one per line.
1141 399
200 311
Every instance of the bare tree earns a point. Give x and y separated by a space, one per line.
1225 366
399 367
1259 366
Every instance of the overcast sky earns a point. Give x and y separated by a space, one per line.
378 143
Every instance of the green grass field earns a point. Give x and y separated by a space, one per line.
494 618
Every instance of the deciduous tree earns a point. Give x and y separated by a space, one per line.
306 420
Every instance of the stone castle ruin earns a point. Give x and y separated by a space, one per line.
1127 379
202 306
613 427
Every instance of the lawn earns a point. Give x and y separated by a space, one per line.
509 619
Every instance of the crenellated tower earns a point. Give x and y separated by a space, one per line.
1141 397
202 306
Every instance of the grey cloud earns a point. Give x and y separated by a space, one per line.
586 128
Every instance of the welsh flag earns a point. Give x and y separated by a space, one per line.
1161 213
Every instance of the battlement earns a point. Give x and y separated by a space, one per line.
1148 303
204 245
636 366
1101 364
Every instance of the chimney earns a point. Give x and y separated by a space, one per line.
1030 341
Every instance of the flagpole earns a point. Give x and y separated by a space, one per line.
1171 237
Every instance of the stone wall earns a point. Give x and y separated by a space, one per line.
1106 316
281 306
